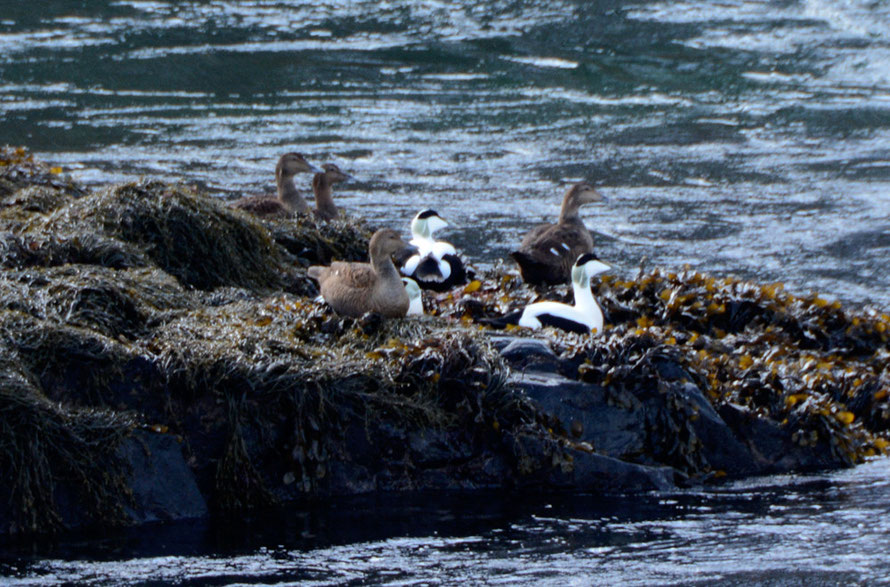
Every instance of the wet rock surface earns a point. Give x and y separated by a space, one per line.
164 359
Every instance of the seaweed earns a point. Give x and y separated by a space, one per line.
154 305
51 454
194 238
20 169
819 370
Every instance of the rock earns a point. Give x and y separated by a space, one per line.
548 465
115 320
771 447
584 411
602 474
524 353
163 486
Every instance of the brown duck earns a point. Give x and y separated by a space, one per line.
321 187
352 289
288 201
548 251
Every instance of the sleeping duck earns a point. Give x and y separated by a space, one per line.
548 251
436 265
288 201
353 289
585 316
415 308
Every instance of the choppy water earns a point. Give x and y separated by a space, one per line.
816 530
746 137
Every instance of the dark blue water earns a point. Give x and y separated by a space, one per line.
740 137
812 530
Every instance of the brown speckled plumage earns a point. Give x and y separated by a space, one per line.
353 289
548 251
288 201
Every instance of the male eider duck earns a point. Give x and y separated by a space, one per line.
352 289
415 295
288 201
436 265
584 316
321 186
548 251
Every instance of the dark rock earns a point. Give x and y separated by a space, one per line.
525 353
772 447
616 425
612 430
597 473
573 469
163 486
719 445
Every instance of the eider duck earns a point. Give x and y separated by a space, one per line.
352 289
548 251
415 295
288 201
321 186
584 316
436 265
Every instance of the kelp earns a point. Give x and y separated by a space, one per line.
291 359
51 453
819 370
155 306
192 237
314 242
20 169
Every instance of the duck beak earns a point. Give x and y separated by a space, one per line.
410 249
315 169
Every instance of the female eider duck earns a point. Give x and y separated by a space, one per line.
321 186
288 201
352 289
584 316
548 251
436 265
415 308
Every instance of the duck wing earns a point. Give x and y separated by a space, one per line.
352 275
534 234
261 206
555 314
548 258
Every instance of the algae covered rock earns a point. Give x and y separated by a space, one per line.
194 238
19 170
712 377
152 338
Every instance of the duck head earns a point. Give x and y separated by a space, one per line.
586 267
387 242
583 193
291 164
426 222
333 174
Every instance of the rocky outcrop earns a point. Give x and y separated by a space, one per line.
163 358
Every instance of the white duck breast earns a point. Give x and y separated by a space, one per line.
584 316
436 265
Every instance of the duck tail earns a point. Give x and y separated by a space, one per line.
534 271
428 269
315 272
501 322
